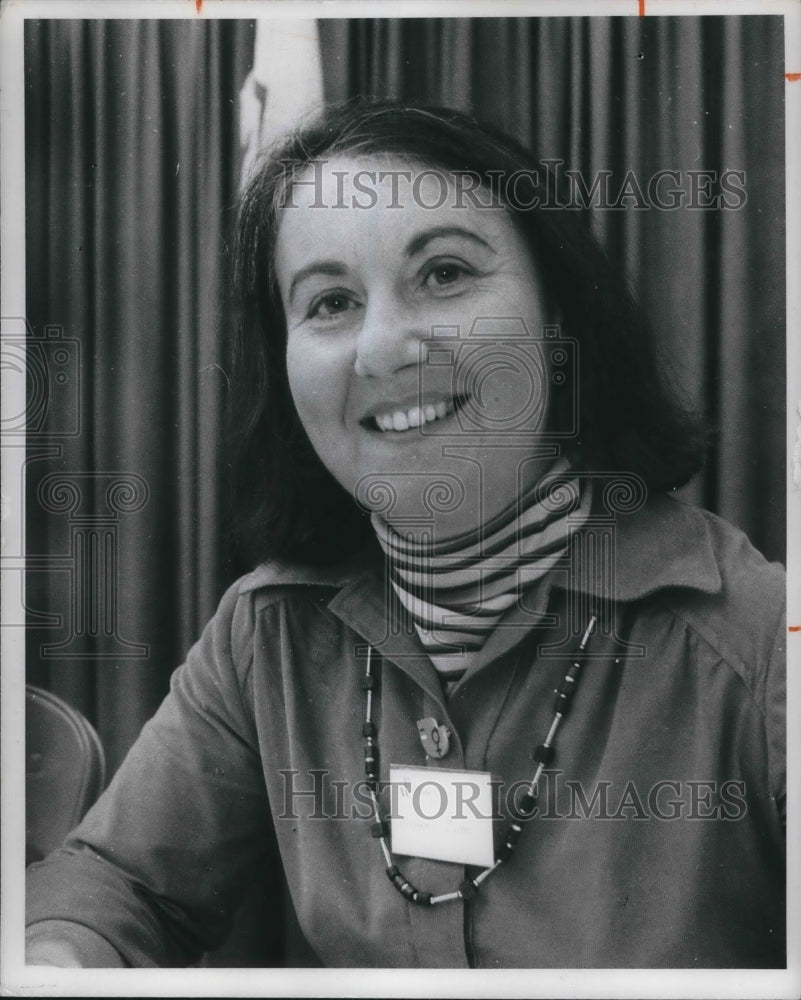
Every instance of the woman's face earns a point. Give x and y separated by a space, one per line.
413 320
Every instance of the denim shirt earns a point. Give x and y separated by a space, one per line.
658 840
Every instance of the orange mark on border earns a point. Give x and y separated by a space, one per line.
794 628
793 77
198 5
641 8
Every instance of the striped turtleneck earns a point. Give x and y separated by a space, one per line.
457 590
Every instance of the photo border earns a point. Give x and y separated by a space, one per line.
21 981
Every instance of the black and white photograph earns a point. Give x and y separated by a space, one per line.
401 448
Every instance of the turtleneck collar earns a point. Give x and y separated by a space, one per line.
457 590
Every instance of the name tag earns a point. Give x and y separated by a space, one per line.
442 814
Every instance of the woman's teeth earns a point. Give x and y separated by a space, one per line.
415 416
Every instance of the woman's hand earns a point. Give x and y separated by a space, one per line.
66 945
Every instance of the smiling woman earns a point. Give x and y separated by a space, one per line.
454 447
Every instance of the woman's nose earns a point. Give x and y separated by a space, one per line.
389 338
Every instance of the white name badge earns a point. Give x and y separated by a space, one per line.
442 814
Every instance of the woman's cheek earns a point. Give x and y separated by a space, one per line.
301 365
317 374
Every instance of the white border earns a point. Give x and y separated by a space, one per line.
18 10
19 981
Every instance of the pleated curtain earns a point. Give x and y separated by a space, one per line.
131 167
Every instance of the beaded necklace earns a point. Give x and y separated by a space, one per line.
542 754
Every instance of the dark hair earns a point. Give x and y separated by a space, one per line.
288 505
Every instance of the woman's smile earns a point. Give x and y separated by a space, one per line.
404 415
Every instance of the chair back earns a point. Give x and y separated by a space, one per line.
65 770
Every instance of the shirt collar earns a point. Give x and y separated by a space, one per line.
664 544
291 574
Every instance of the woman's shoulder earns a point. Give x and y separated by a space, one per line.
725 550
668 543
277 579
717 582
276 576
734 551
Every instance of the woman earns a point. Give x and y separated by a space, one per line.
504 710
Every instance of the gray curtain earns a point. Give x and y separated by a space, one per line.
131 174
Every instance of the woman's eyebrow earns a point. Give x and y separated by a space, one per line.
416 244
331 267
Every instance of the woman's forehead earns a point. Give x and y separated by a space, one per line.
348 197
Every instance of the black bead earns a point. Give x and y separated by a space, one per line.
379 830
371 753
543 754
408 891
567 687
504 852
574 670
527 804
392 872
368 682
422 898
512 836
562 703
368 729
468 889
371 771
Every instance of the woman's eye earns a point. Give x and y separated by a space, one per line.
445 273
331 304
